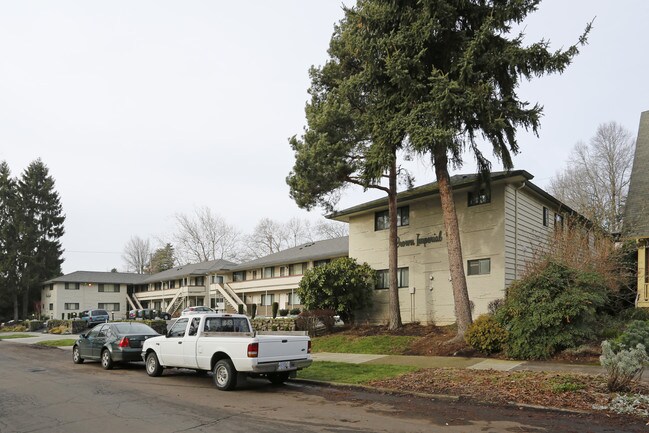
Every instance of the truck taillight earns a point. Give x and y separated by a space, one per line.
124 342
308 350
253 350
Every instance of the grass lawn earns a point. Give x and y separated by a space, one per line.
352 373
58 343
375 344
10 336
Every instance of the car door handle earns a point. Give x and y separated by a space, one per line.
180 342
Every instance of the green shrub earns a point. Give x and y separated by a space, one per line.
240 308
486 335
295 311
34 325
552 308
275 309
635 314
624 366
636 332
254 310
159 326
283 312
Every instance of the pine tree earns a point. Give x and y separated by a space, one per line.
8 240
40 226
163 259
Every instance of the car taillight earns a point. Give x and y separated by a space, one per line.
124 342
308 350
253 350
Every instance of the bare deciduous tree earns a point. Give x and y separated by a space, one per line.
137 254
596 180
331 230
205 236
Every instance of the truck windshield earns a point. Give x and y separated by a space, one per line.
226 324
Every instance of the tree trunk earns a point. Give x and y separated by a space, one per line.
25 303
394 308
453 245
15 299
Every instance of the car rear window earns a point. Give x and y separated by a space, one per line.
134 328
226 324
100 313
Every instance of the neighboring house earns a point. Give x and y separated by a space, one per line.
70 294
636 215
500 232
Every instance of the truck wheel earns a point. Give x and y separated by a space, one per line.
76 355
106 360
225 375
153 367
278 378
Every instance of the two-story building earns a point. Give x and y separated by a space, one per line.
500 232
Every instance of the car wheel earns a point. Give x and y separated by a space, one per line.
153 367
278 378
225 375
106 360
76 355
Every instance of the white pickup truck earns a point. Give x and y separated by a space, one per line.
226 345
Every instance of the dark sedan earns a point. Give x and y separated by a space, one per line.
112 343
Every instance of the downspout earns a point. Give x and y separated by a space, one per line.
516 229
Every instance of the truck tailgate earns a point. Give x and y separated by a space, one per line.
282 347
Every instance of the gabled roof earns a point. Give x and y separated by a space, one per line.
99 277
318 250
202 268
636 213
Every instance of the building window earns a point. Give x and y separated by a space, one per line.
51 307
283 271
318 263
239 276
71 306
382 219
383 278
296 268
113 288
71 286
172 284
108 306
546 216
269 272
480 197
558 221
294 298
51 286
254 275
267 299
479 267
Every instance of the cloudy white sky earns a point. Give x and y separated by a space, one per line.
145 109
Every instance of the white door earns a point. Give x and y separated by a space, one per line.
171 348
189 344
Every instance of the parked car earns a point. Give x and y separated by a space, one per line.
93 317
112 343
145 313
197 309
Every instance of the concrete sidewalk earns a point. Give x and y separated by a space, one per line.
459 362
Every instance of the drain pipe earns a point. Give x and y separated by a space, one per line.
516 228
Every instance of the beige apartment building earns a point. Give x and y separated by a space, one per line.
500 232
220 284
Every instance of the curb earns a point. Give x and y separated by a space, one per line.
441 397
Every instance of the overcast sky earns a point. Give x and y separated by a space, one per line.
144 109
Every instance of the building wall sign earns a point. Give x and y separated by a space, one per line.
419 240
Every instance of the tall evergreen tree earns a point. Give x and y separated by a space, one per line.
40 225
430 76
8 240
163 258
